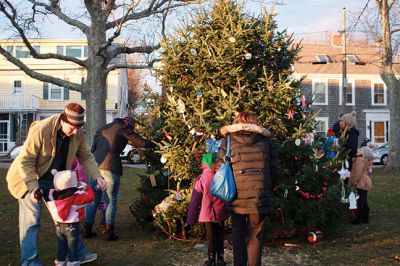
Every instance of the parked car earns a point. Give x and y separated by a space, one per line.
131 154
381 153
14 153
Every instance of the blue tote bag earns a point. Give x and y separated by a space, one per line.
223 184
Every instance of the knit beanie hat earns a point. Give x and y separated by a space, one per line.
350 119
367 153
130 120
74 114
64 179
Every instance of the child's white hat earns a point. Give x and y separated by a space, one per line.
367 153
64 179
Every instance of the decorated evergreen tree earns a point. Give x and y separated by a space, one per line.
225 61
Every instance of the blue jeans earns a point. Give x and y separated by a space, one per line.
112 194
29 228
67 239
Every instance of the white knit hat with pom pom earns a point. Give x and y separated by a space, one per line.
64 179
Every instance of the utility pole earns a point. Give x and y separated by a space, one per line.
344 62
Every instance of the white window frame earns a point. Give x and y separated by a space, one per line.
325 81
55 99
352 56
352 81
326 121
82 47
326 58
13 86
373 93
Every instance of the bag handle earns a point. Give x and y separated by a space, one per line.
227 157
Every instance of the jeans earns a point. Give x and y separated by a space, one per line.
112 194
248 237
67 239
29 228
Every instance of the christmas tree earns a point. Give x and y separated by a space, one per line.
220 63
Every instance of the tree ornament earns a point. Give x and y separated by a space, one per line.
178 196
297 142
314 237
163 160
232 39
303 101
199 93
193 51
290 112
247 56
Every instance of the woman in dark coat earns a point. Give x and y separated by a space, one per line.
255 165
348 131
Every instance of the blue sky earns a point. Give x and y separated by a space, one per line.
298 16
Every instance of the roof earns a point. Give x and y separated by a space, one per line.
367 55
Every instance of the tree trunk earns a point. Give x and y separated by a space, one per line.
97 80
393 86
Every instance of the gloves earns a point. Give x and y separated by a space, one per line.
101 184
36 195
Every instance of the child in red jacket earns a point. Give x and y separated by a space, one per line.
209 210
66 205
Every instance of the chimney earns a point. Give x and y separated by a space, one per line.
336 40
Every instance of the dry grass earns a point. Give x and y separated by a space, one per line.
374 244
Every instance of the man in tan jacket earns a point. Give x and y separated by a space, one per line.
51 143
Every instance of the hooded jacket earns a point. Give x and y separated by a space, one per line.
255 165
359 176
39 151
70 209
203 206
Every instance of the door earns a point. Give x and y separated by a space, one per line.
3 136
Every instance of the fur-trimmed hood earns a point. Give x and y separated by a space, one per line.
253 128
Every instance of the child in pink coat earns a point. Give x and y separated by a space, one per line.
209 210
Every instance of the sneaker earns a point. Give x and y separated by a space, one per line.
89 258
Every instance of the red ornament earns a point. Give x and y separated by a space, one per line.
314 237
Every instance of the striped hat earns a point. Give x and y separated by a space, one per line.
130 120
74 114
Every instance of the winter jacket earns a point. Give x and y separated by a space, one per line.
70 209
39 151
204 207
110 141
351 144
359 176
255 166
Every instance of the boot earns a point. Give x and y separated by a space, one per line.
220 258
88 231
111 236
365 218
358 219
211 259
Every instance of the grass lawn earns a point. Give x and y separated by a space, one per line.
374 244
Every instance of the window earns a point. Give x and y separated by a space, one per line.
17 88
22 52
349 93
352 58
54 93
322 126
74 51
320 92
323 58
10 49
378 94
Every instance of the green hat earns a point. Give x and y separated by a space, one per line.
208 159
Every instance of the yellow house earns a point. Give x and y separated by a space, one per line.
23 99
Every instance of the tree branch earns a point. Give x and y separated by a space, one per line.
132 66
151 10
39 76
55 9
132 50
394 30
12 17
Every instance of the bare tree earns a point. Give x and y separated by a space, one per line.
388 35
101 22
379 20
